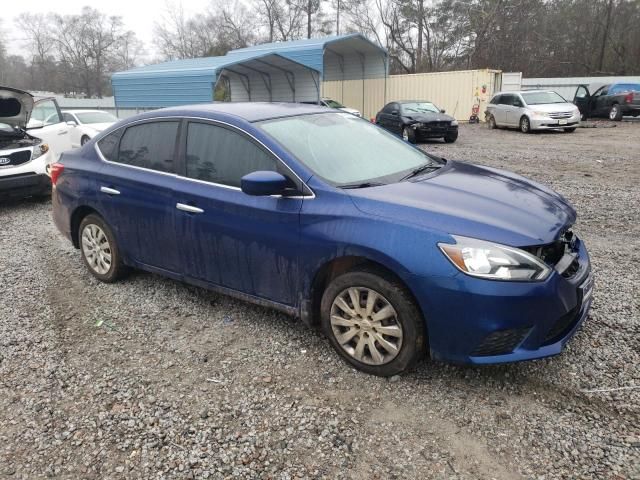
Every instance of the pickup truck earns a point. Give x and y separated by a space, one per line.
613 101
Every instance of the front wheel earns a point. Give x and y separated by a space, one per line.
615 113
84 140
373 323
451 137
99 250
409 135
570 130
491 122
525 125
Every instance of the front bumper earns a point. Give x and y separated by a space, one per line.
427 130
544 123
25 185
471 320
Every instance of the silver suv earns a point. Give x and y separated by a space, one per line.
532 110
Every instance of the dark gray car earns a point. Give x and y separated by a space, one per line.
417 120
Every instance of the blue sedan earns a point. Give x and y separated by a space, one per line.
393 252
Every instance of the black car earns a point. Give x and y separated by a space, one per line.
612 101
417 120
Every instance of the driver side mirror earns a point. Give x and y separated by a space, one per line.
443 111
394 112
263 183
72 123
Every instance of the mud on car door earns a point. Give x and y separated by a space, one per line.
582 100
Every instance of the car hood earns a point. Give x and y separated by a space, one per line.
473 201
428 117
553 107
15 107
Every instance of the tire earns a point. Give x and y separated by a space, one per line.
106 263
409 135
525 124
570 130
450 138
584 117
491 122
615 113
84 140
403 315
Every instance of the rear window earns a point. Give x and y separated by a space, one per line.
624 87
149 145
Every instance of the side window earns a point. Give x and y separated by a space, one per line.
601 92
45 112
516 101
149 145
495 100
388 108
109 145
220 155
505 99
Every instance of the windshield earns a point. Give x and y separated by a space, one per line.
333 103
542 98
346 150
96 117
419 107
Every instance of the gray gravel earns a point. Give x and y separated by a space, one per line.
149 378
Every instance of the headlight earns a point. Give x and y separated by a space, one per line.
540 114
479 258
39 150
454 123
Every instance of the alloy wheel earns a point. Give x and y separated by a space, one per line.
524 124
366 326
613 113
96 249
405 134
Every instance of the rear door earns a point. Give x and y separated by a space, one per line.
136 188
242 242
46 122
515 110
582 100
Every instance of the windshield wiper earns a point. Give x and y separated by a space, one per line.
419 170
362 185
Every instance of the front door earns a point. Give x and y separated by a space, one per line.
582 100
245 243
46 123
136 191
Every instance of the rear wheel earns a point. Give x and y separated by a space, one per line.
525 125
615 113
570 130
491 122
373 323
409 135
99 250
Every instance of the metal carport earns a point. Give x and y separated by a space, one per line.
276 72
262 77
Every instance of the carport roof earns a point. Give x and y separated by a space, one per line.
208 65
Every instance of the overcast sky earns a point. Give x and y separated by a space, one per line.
137 15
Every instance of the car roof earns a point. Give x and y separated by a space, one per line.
249 111
411 101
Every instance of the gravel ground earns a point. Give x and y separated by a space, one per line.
149 378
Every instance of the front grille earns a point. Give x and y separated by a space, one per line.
559 115
564 324
501 342
15 158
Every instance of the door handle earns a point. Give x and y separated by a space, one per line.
188 208
109 191
63 132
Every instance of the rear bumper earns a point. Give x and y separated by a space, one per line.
24 185
630 109
477 321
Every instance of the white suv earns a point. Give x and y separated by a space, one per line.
32 137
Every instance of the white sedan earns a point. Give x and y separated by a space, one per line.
88 124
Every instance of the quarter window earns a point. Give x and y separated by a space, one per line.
109 145
149 145
219 155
